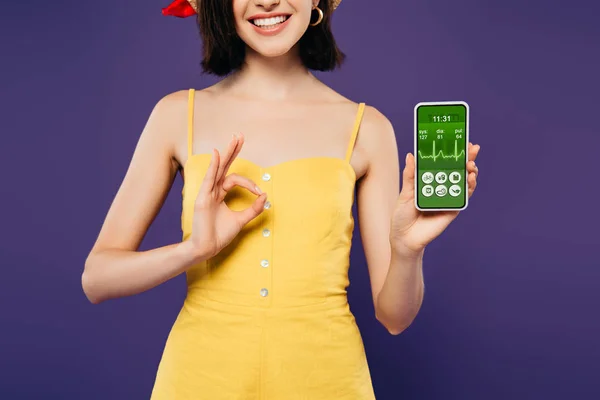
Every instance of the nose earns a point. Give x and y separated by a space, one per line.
268 4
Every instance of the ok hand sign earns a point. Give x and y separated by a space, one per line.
214 224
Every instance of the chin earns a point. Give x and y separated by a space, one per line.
271 51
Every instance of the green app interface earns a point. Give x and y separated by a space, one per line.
441 144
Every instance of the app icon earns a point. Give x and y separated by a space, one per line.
441 190
427 177
454 177
427 190
441 177
455 190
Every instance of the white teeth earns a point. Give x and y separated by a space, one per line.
269 22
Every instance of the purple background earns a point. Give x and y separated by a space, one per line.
511 305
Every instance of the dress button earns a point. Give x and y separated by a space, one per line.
264 263
266 177
266 232
267 205
264 292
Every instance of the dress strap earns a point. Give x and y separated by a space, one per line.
190 125
359 114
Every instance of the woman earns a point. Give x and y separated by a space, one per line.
267 224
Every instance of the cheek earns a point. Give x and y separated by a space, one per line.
304 10
301 4
239 11
238 5
302 20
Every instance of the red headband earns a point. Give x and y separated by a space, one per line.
179 8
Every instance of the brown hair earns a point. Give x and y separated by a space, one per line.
224 51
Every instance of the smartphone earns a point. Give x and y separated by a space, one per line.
441 155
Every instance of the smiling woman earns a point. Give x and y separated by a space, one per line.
229 29
267 230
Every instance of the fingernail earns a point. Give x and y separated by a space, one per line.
406 159
257 189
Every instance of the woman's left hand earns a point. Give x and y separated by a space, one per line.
411 229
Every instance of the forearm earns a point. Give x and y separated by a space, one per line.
401 296
116 273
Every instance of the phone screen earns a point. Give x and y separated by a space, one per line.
441 139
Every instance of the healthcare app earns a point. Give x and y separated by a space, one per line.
441 140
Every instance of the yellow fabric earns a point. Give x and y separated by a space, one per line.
232 339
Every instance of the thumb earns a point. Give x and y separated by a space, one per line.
408 178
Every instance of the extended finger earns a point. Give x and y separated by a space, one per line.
239 143
211 173
408 178
225 161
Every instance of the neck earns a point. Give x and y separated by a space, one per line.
270 78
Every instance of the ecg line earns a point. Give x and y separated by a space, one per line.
435 155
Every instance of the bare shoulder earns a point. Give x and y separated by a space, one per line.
173 114
170 106
376 136
168 122
374 122
376 128
376 140
168 110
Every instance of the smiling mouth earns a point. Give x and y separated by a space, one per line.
269 23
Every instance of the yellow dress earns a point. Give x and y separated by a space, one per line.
268 317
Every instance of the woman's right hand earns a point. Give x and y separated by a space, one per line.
214 224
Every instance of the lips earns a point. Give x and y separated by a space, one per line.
269 24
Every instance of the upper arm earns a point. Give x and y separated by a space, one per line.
377 193
148 179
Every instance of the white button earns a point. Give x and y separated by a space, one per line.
441 190
266 177
267 205
264 263
264 292
266 232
